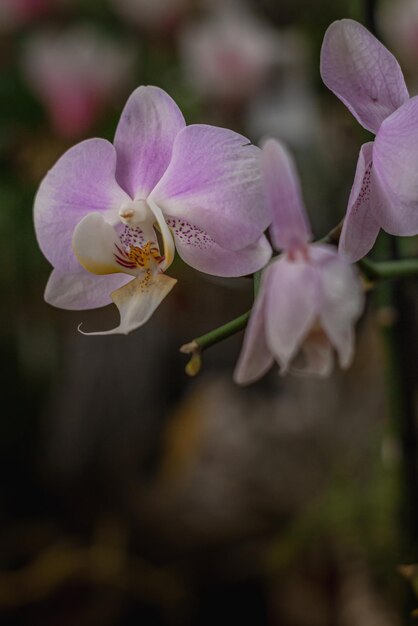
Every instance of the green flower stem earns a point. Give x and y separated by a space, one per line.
388 269
195 347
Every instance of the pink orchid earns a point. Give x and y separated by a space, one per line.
368 80
153 15
399 22
14 13
98 207
309 298
228 55
75 73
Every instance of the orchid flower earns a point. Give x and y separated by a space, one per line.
75 74
228 55
108 214
368 80
309 296
153 15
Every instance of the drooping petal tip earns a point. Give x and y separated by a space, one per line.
289 223
137 301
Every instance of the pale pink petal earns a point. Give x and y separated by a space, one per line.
360 227
81 290
198 250
362 73
395 171
213 182
291 307
137 301
82 181
144 139
342 299
255 358
290 227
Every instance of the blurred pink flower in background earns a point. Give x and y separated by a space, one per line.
154 15
399 24
229 54
75 74
13 13
288 107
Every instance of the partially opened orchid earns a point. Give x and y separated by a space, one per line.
309 298
368 80
109 217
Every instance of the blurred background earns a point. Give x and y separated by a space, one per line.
130 493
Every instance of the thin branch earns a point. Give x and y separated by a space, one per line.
388 269
196 346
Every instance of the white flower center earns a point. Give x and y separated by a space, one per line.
136 213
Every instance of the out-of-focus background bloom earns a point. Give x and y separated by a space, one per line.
15 13
129 493
75 74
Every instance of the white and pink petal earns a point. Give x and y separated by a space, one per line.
290 227
291 307
99 249
144 139
199 251
255 359
82 181
341 300
361 227
82 290
362 73
214 182
395 171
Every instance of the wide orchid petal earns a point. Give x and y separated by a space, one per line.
255 358
213 181
137 301
82 181
362 73
144 139
395 171
198 250
82 290
360 227
289 228
291 307
342 300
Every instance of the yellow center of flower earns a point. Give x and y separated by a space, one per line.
138 257
142 257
